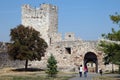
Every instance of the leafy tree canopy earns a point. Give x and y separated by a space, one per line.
115 18
26 44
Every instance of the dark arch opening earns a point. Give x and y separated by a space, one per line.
91 57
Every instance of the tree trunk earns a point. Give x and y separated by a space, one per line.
112 68
119 69
26 64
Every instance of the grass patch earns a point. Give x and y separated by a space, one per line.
105 78
33 78
31 74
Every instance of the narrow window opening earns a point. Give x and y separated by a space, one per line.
50 40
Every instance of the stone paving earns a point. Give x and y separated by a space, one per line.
91 75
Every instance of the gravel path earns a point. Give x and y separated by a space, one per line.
91 75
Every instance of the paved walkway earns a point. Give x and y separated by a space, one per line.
91 75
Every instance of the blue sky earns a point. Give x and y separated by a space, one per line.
88 19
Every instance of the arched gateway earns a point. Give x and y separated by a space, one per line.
91 58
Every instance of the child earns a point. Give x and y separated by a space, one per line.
100 71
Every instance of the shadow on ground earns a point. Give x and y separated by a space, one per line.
28 69
117 77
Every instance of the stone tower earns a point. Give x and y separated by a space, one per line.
43 19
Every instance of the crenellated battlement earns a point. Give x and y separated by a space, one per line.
33 12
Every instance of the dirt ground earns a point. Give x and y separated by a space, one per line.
13 71
22 72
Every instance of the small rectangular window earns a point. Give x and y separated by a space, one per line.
68 50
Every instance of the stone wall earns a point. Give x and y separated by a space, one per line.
70 60
69 55
6 62
3 46
69 36
4 58
43 19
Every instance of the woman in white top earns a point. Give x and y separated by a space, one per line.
80 70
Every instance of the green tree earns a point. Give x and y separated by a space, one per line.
52 66
111 48
115 18
116 59
26 44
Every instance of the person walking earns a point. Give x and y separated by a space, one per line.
85 71
101 72
80 70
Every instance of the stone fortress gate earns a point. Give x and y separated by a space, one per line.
70 52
